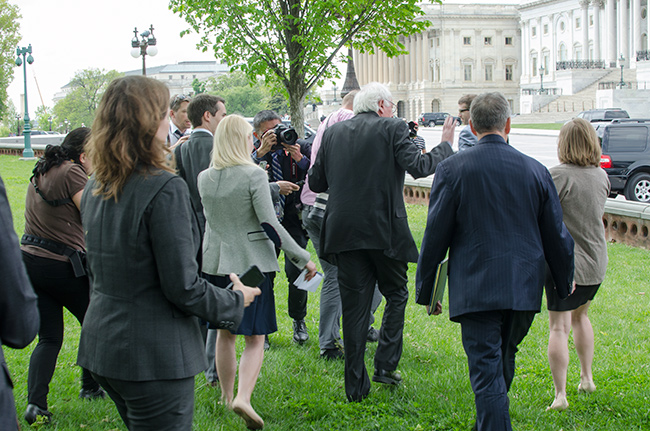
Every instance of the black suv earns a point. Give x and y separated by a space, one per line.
626 157
432 118
609 114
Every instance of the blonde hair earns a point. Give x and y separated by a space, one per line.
231 143
578 144
122 138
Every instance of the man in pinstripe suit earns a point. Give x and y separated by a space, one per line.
497 212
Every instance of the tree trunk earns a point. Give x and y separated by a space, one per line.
297 95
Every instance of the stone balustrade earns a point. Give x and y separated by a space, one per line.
625 222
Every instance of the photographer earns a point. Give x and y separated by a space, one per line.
287 164
53 248
417 140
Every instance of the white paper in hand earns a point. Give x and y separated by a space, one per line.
310 285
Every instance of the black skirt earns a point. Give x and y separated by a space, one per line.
259 317
579 297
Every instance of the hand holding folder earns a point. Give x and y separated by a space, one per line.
435 302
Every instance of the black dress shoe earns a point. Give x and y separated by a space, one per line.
92 394
373 335
387 377
300 334
33 412
332 354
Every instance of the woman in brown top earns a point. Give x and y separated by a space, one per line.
583 188
53 251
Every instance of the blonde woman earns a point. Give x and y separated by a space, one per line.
242 230
583 188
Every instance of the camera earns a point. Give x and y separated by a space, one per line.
284 135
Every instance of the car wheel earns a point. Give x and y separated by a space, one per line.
432 124
638 188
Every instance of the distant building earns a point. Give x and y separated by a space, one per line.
467 48
178 77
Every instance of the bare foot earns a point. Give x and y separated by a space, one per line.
246 412
225 402
559 404
586 387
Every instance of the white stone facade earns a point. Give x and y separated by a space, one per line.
595 30
473 48
466 49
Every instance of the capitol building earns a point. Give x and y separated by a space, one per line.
544 55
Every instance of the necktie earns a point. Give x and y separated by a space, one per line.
276 169
178 134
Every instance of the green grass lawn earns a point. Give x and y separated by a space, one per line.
543 126
299 391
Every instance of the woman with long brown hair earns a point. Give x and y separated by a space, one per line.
141 339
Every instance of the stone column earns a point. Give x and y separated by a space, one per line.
584 5
426 69
380 65
375 66
409 61
386 65
524 50
624 31
598 4
416 55
611 34
636 27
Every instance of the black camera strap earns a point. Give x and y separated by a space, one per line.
54 203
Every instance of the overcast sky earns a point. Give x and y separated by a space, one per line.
71 35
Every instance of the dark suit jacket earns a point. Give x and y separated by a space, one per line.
145 288
195 155
498 213
19 318
291 171
362 162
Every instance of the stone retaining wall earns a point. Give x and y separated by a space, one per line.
626 222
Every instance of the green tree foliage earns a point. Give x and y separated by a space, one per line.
292 43
241 96
9 38
79 105
43 115
198 86
12 122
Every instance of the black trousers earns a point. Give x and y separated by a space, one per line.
56 287
359 270
154 405
297 298
490 339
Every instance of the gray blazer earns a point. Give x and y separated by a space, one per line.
145 290
242 227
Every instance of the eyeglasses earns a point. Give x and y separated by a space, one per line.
393 106
178 99
460 111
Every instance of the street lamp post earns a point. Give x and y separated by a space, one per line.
67 125
334 88
144 46
17 125
50 119
541 80
621 61
28 153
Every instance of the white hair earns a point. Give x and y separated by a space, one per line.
368 98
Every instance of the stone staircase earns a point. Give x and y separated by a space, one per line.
568 106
